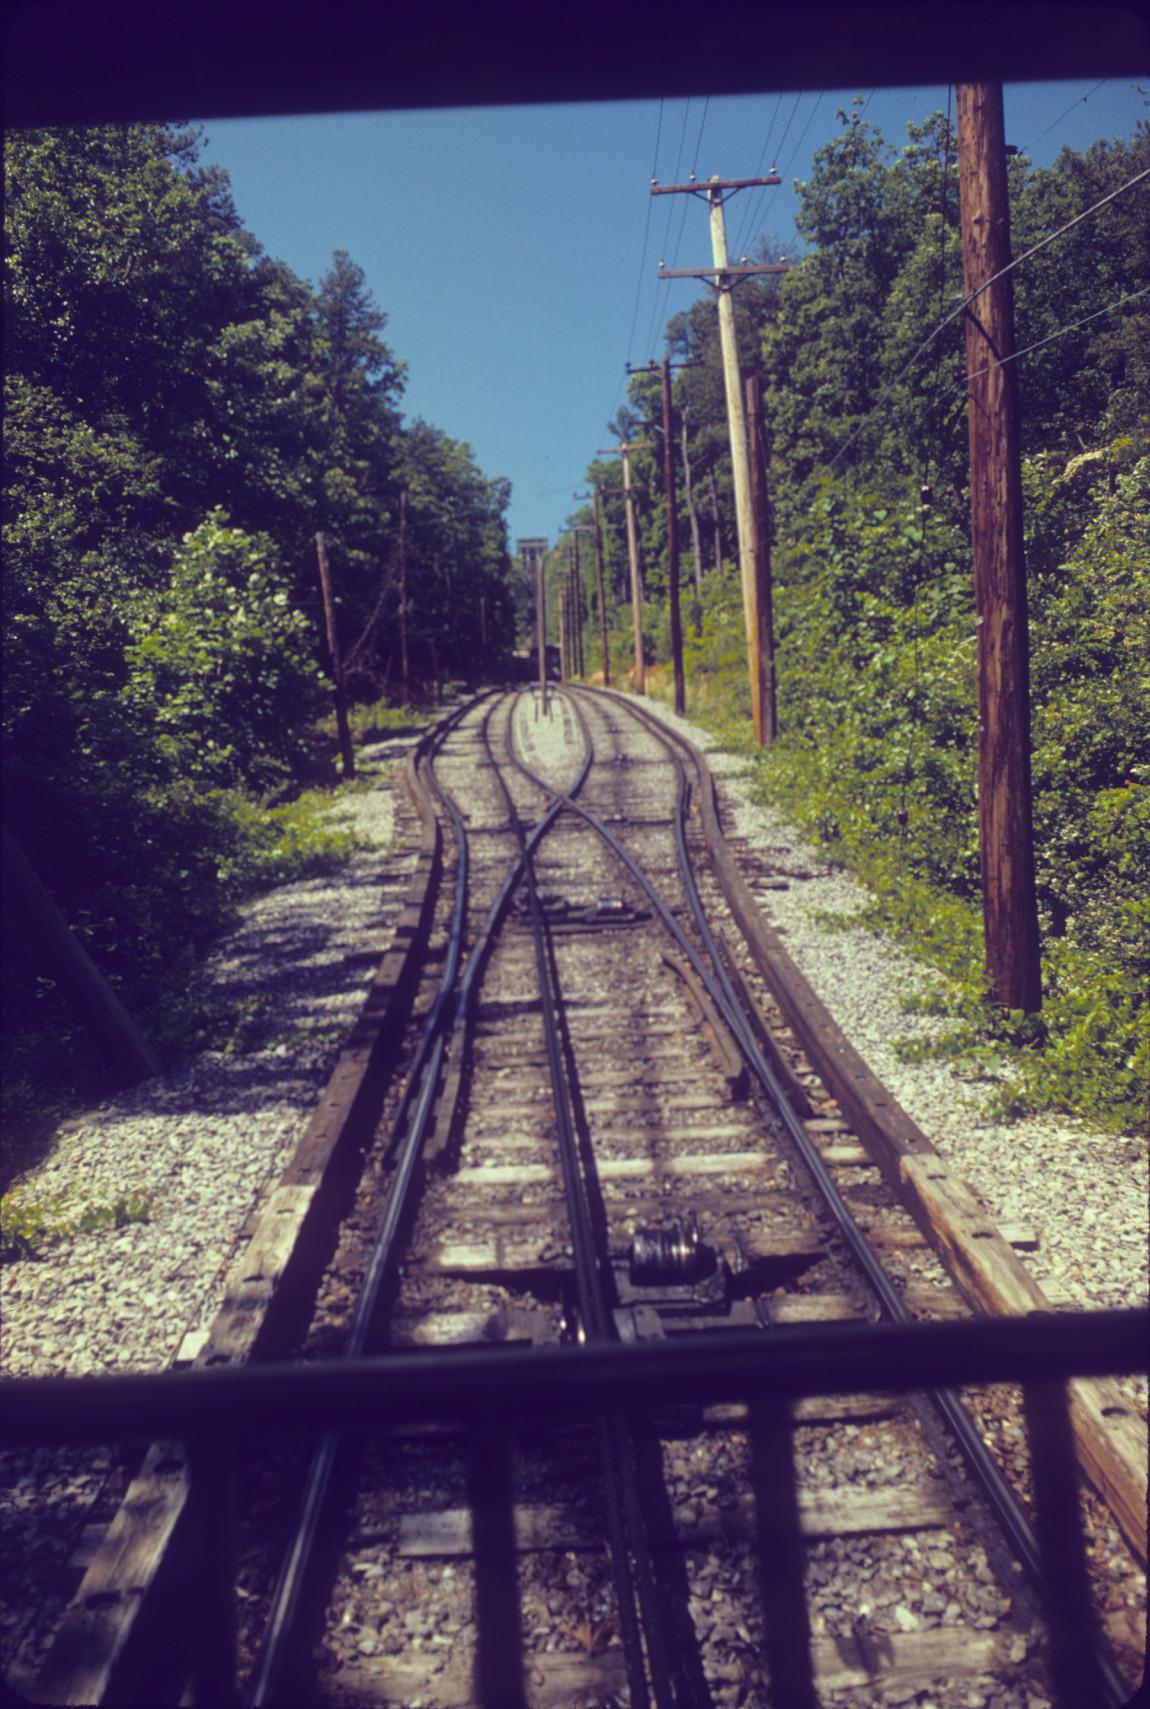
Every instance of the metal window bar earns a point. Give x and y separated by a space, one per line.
787 1632
491 1494
483 1390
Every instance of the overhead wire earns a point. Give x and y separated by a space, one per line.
1061 333
1027 146
699 138
755 200
965 302
670 216
785 173
642 262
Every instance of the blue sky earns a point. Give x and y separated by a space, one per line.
506 245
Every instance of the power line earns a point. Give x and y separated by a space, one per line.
966 301
790 122
639 285
1062 331
1027 146
802 134
670 217
699 138
770 134
658 134
756 202
643 258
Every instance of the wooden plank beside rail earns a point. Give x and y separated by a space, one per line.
111 1622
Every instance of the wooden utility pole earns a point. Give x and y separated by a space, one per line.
564 655
636 574
757 451
344 728
723 278
633 553
1006 839
532 553
541 631
572 620
601 583
404 662
578 605
672 543
692 508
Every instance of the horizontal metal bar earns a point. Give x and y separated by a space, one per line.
368 1394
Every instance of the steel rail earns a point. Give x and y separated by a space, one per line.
1109 1689
627 1541
484 937
408 1138
424 1074
1112 1692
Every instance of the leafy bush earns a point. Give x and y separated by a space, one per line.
222 664
878 751
29 1222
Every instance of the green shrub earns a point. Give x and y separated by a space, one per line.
29 1223
222 664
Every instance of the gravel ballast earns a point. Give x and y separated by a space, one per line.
205 1144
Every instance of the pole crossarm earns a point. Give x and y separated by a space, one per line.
633 445
722 273
654 367
713 185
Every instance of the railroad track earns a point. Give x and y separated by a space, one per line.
601 1125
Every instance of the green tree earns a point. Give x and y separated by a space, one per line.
220 666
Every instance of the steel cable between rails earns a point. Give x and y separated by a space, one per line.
628 1544
998 1491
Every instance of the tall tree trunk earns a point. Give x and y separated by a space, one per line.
692 512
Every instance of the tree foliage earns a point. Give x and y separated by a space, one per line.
874 608
183 415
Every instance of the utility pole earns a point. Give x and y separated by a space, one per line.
532 553
564 652
672 543
1006 839
723 279
572 619
757 448
404 676
345 747
596 528
633 553
578 606
692 508
602 594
